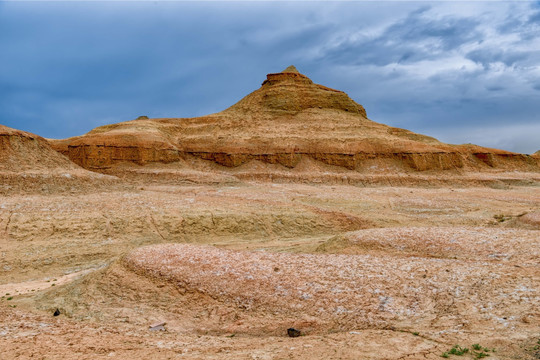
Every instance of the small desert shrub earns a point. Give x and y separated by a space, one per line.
478 352
458 350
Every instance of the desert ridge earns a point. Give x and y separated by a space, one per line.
28 163
22 151
288 122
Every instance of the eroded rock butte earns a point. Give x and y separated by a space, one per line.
288 119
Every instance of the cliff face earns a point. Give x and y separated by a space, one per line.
287 119
96 151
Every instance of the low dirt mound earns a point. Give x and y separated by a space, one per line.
29 164
531 219
464 243
23 151
343 292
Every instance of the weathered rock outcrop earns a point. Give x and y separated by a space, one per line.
29 164
21 151
286 120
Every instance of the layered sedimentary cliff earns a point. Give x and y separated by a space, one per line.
289 118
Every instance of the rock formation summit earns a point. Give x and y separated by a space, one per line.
289 120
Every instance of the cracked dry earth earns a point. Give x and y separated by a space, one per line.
362 272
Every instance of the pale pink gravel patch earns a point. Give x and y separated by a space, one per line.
532 218
356 291
464 243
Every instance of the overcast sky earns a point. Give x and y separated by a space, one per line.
463 72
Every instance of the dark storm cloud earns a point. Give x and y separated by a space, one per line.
412 39
432 72
534 18
95 63
449 31
430 67
489 56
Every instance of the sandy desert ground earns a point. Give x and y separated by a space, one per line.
210 237
376 272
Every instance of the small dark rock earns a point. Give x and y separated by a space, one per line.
56 312
292 332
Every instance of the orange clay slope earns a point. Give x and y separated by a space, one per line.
288 121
